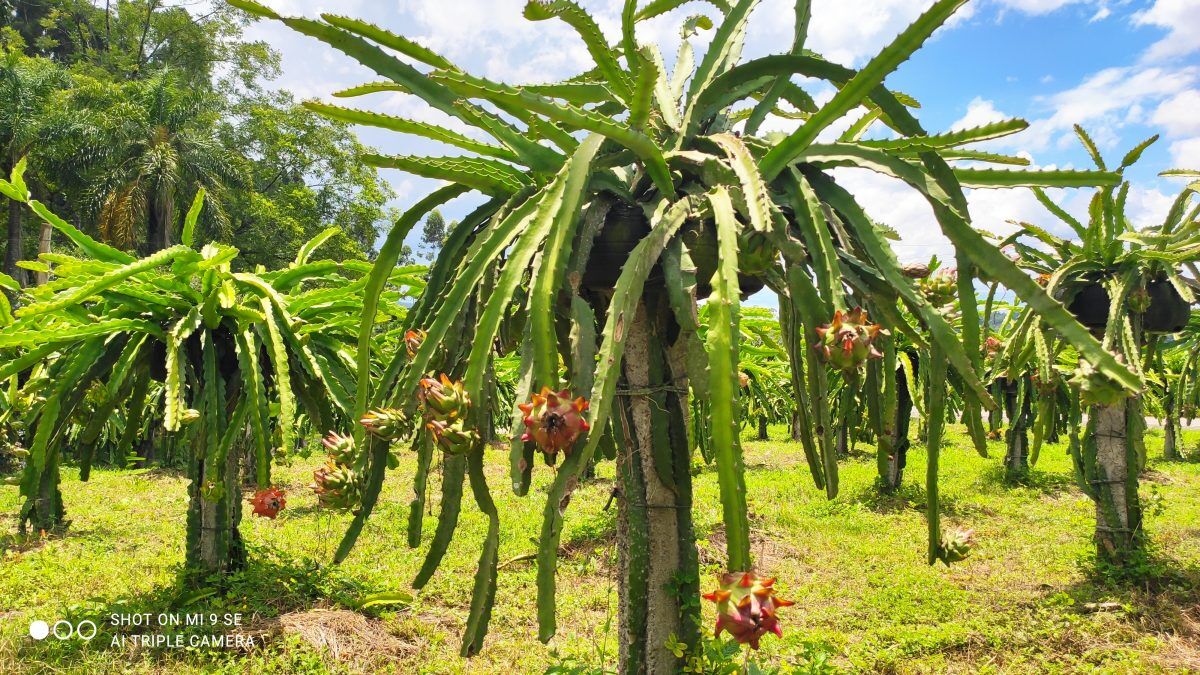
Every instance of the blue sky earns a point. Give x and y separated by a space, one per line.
1125 69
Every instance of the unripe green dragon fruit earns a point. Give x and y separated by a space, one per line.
413 340
269 502
443 399
956 545
341 448
849 340
337 486
554 421
940 289
453 437
746 606
387 423
1096 388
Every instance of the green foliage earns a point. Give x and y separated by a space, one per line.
714 211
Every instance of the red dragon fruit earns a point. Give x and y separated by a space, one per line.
269 502
554 421
848 342
746 606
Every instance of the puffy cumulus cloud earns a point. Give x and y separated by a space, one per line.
1180 114
1185 154
1181 20
1107 101
979 113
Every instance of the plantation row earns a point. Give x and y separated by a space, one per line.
588 309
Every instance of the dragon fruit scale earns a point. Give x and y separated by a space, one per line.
849 340
554 421
746 606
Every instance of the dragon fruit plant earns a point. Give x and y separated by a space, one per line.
180 341
614 201
1126 284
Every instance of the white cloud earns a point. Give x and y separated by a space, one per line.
1185 154
1180 114
1181 19
1100 15
1107 101
1039 7
979 113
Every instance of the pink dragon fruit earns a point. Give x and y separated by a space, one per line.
554 421
849 341
746 606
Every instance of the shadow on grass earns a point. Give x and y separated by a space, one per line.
14 541
1156 593
908 497
994 478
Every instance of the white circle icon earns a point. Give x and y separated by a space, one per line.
38 630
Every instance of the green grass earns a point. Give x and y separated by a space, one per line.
1026 600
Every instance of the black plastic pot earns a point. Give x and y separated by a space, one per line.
1090 304
1168 312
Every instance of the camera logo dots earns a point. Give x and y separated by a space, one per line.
63 630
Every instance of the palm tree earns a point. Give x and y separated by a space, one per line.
137 150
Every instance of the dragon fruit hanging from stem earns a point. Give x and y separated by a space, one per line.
849 340
554 421
746 606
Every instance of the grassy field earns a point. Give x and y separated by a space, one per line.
1027 600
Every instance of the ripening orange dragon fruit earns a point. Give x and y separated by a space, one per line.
746 605
413 340
849 341
554 421
268 503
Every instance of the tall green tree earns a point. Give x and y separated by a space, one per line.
135 151
304 173
26 86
